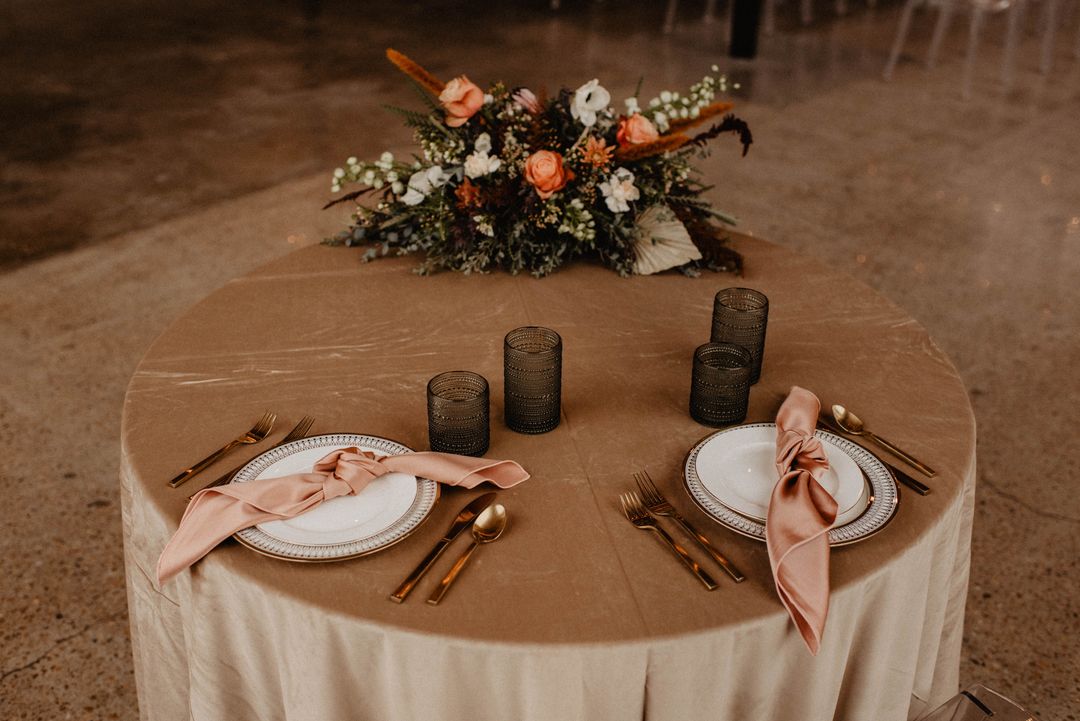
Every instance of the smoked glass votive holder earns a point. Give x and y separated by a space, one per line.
458 413
532 374
720 386
740 316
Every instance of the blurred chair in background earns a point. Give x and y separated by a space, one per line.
979 10
978 703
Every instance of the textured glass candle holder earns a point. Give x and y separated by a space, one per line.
458 413
720 386
740 316
532 371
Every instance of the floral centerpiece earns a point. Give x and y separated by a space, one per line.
510 178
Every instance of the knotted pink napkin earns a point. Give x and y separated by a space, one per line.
800 514
214 514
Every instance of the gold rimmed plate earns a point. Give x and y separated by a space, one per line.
875 487
387 511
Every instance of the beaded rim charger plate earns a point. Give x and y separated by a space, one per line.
388 510
867 502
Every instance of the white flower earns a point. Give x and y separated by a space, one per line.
661 121
665 97
339 173
387 157
619 190
632 106
483 143
397 187
423 182
588 100
436 176
480 163
488 98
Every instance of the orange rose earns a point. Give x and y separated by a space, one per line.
635 130
461 98
544 169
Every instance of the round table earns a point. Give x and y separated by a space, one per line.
574 614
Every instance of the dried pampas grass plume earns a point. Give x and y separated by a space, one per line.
415 71
664 144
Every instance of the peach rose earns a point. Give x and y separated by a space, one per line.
635 130
462 98
544 169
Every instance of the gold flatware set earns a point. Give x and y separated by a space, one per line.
258 433
300 430
831 421
636 513
656 503
852 425
487 528
642 507
488 521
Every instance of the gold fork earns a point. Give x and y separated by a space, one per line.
257 433
635 512
299 431
655 502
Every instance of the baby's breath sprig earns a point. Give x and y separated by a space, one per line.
669 106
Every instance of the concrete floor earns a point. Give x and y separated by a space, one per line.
131 128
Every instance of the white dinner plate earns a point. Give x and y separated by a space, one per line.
874 507
386 511
738 467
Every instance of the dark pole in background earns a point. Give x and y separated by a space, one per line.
745 23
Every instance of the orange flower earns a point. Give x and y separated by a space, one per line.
597 153
468 195
462 98
544 169
635 130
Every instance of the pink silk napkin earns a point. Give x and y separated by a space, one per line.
800 514
214 514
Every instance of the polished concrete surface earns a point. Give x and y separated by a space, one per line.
129 128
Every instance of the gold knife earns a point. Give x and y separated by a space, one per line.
464 520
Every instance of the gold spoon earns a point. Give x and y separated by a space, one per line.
851 423
487 527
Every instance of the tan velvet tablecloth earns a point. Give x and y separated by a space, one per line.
574 614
